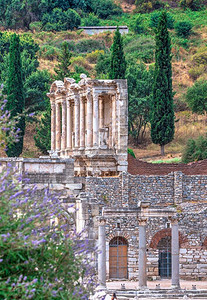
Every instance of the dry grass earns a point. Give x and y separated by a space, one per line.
29 149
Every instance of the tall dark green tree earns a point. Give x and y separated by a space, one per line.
64 57
162 113
43 132
15 94
118 62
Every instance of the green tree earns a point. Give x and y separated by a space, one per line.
118 62
195 150
196 97
64 57
162 113
43 132
15 94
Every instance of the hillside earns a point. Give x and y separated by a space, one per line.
189 61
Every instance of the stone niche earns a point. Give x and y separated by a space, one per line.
89 122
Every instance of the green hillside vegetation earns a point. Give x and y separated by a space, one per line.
43 30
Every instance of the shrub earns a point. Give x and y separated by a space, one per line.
191 4
195 150
183 29
196 97
80 61
154 20
88 45
196 71
35 26
91 20
200 58
131 152
137 24
103 65
48 52
93 56
106 8
146 6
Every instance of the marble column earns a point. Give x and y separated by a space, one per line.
89 119
58 131
69 125
53 112
63 137
101 112
175 254
95 120
77 120
102 254
82 123
142 253
113 99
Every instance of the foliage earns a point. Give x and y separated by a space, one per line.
118 62
195 150
15 95
139 48
61 20
103 65
36 86
62 69
88 45
43 131
196 71
137 24
154 20
90 20
42 256
140 81
162 114
191 4
143 6
106 8
183 29
93 56
196 97
131 152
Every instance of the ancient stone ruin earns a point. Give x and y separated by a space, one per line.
89 123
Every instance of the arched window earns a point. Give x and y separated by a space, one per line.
118 247
165 258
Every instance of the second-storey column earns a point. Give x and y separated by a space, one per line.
142 253
53 111
89 120
63 136
69 125
95 121
82 123
58 131
77 120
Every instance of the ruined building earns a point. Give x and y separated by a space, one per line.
141 204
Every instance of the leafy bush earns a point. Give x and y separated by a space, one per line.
183 29
136 25
191 4
200 58
35 26
80 61
93 56
106 8
195 150
48 52
196 71
61 20
196 97
131 152
91 20
146 6
88 45
154 20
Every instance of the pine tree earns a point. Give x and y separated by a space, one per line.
64 57
43 132
162 113
118 62
15 94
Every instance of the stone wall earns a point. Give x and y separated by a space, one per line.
99 29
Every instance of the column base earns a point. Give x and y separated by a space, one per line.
175 287
53 153
101 288
143 288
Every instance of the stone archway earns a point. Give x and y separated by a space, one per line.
163 234
118 251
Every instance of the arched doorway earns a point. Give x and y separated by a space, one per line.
165 257
118 258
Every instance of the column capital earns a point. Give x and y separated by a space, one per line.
173 220
142 221
101 221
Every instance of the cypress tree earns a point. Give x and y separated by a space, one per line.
15 95
162 113
118 62
64 57
43 132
